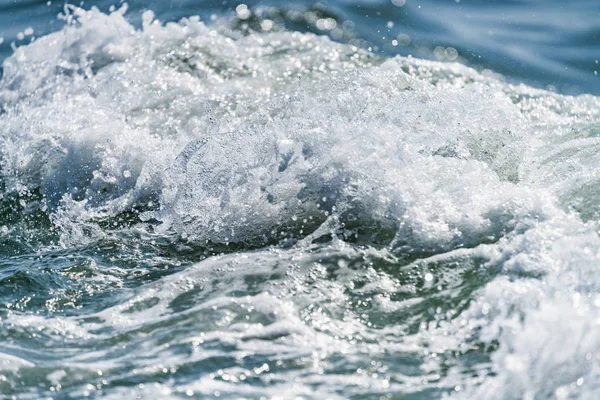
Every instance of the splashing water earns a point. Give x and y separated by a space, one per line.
188 210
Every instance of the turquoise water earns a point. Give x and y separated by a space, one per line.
282 202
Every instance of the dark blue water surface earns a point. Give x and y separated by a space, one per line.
545 43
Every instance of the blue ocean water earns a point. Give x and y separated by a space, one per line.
545 43
326 200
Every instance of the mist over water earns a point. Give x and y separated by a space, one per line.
240 208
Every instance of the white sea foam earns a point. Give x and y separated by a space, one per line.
222 138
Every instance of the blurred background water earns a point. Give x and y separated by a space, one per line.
550 44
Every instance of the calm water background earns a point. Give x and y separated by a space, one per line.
544 43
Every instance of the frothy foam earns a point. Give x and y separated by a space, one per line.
453 205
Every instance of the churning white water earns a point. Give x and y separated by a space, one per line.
277 215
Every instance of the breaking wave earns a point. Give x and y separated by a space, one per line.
292 210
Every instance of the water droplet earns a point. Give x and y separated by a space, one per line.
266 25
403 39
242 11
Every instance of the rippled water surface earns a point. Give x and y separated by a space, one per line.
232 206
546 43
